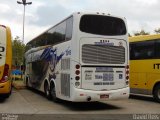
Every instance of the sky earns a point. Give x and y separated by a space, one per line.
42 14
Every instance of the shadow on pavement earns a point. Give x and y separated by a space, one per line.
88 106
2 100
142 98
81 106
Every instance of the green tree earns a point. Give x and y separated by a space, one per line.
18 51
142 32
157 31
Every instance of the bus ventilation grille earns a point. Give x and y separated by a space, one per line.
65 84
65 64
103 54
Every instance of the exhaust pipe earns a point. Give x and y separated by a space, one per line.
88 98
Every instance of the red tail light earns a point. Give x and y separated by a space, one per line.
127 67
127 74
77 66
77 77
77 72
5 74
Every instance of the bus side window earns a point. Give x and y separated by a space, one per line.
157 48
69 27
143 50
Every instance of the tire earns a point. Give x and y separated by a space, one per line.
156 93
47 91
53 93
4 96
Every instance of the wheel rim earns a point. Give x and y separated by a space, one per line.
47 90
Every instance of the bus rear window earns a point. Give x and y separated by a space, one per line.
102 25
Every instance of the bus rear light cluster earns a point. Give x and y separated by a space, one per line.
127 67
5 74
127 74
77 73
77 78
77 66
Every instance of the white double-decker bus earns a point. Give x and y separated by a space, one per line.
85 57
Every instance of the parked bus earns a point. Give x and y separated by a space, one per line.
145 65
85 57
5 61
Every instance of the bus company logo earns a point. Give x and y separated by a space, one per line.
104 42
156 66
68 52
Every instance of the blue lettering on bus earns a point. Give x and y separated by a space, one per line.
102 69
98 77
68 52
104 43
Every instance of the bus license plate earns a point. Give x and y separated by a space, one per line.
104 96
107 77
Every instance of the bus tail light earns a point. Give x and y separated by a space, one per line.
77 72
77 77
77 66
127 74
5 74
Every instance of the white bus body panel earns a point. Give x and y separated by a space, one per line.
81 95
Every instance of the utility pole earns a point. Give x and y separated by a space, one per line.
24 3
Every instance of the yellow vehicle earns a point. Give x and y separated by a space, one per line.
145 65
5 61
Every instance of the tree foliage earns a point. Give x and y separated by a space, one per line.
18 51
157 31
142 32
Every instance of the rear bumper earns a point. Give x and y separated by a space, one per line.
81 95
5 88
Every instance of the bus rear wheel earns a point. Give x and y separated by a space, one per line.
156 93
53 93
46 90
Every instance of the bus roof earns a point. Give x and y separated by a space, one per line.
75 14
144 38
